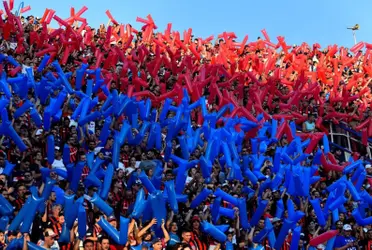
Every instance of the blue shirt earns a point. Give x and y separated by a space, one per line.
310 126
343 241
173 239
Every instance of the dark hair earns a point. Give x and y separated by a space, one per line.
103 238
87 241
186 230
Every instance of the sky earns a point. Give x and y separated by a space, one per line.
316 21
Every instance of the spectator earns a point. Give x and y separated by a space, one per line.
346 241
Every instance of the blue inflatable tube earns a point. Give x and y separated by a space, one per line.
47 190
149 213
215 209
5 207
206 167
4 86
283 233
352 166
124 225
184 148
200 198
158 207
356 174
295 238
70 211
116 151
248 173
326 144
165 109
59 102
169 185
50 149
125 129
66 154
4 221
88 118
43 63
109 174
64 237
223 228
330 243
146 182
181 179
105 132
85 109
362 222
20 111
12 61
110 230
259 212
213 231
337 203
15 137
359 183
335 215
36 118
8 170
82 222
260 236
318 211
254 145
101 205
77 172
271 235
227 197
279 209
30 213
354 193
139 205
243 214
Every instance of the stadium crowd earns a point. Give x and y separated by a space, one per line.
311 86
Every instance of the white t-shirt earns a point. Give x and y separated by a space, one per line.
55 246
58 164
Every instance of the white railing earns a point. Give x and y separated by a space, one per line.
348 141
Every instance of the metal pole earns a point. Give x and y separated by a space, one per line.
354 37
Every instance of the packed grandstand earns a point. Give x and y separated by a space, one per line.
117 138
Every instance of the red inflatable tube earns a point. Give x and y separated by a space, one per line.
364 124
66 54
280 130
264 33
370 130
43 18
248 115
332 158
60 21
195 53
323 237
365 137
11 4
7 10
313 143
357 47
15 71
108 13
81 11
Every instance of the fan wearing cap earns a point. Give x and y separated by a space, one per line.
58 161
197 236
49 241
346 241
369 170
